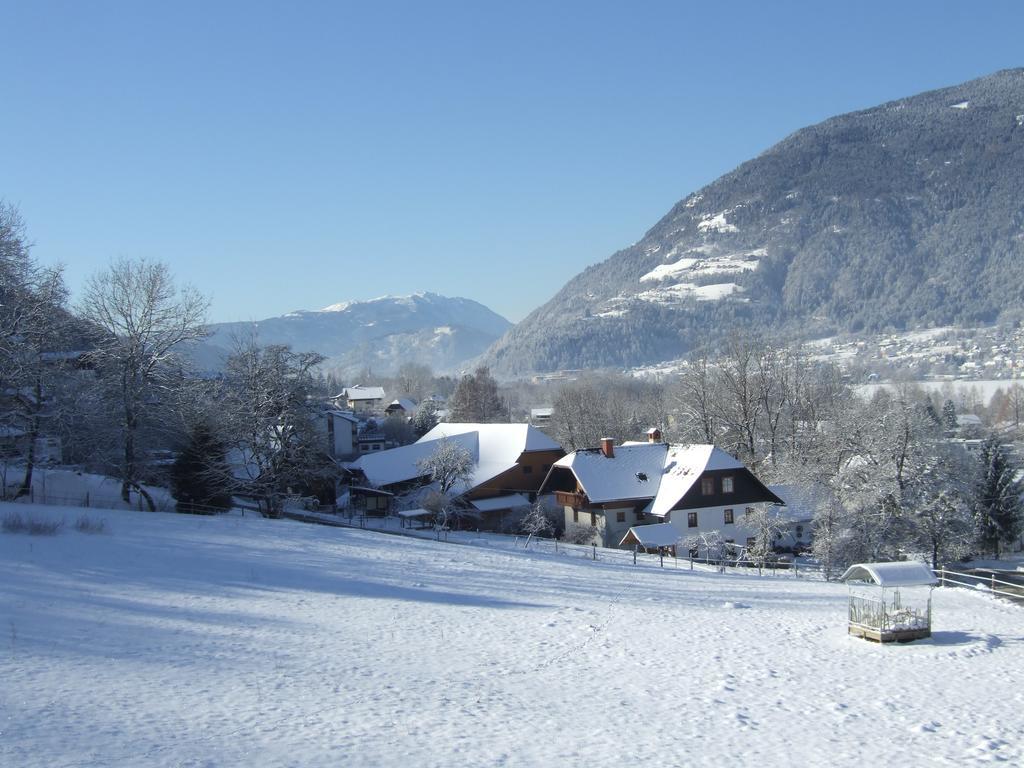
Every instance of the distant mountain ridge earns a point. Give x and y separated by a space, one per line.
378 334
907 214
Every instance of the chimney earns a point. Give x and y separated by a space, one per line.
653 435
608 447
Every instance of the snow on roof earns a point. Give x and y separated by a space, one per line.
418 512
656 535
511 501
634 471
657 471
363 393
545 411
404 403
495 448
801 501
683 465
900 574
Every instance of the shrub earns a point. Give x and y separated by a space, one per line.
13 522
85 524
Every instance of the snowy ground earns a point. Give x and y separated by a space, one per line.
182 641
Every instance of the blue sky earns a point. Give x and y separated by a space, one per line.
292 155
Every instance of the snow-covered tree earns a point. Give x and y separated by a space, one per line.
943 526
450 468
949 415
144 319
767 527
998 516
536 522
268 422
33 323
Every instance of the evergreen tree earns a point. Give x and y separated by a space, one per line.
949 415
998 516
197 476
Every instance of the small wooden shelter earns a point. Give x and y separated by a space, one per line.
657 538
890 602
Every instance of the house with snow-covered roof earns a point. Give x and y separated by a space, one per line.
402 406
361 399
510 462
696 489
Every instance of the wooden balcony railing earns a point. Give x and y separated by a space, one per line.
569 499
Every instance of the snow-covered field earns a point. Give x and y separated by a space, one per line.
182 641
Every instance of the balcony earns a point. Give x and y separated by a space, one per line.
574 500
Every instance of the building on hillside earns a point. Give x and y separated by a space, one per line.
360 399
698 489
403 406
510 462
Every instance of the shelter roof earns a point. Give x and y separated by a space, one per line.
899 574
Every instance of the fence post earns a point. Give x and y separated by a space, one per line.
595 551
661 557
634 554
993 582
691 560
556 546
942 576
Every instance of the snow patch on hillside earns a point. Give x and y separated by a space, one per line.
961 105
716 223
674 294
707 264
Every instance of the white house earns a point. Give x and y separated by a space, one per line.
698 489
362 399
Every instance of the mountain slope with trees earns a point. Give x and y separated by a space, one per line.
907 214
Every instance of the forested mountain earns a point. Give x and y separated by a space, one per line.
904 215
379 334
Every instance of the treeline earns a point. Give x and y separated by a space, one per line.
883 476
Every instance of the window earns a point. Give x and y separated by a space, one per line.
707 485
575 515
620 516
691 519
727 484
527 469
728 517
748 511
593 519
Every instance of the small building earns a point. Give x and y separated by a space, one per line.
541 417
654 539
890 602
403 406
360 399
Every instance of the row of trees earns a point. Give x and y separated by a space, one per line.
109 376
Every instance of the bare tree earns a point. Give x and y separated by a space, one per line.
536 522
33 323
450 467
145 319
267 422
